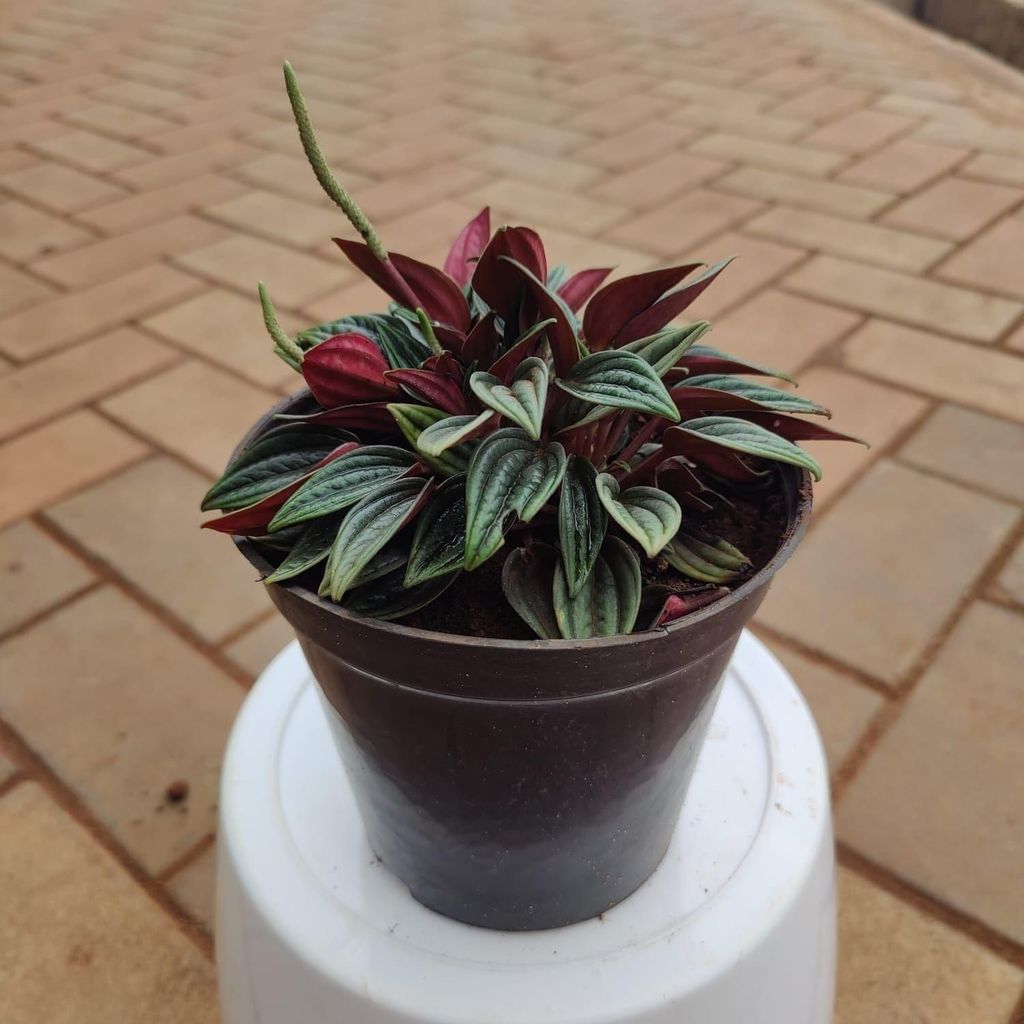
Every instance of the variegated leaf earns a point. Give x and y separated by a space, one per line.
608 602
510 475
439 543
647 514
622 380
714 562
369 525
388 598
343 482
582 522
312 547
413 420
522 400
664 349
770 398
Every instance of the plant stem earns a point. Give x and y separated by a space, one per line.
428 332
328 182
286 346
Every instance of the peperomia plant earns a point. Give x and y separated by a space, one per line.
482 415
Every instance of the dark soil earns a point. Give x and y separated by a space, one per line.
753 520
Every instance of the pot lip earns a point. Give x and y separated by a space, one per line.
393 630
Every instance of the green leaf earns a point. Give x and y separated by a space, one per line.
751 439
620 379
445 434
368 527
557 276
439 543
343 482
664 349
714 562
609 600
388 597
582 522
312 547
527 579
389 559
647 514
413 420
771 398
509 475
274 460
523 400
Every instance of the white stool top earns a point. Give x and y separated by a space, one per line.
754 825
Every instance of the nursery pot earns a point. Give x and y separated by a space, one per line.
521 784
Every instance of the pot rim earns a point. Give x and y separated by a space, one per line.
797 525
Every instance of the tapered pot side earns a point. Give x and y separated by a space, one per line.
522 784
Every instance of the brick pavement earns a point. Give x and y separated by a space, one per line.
869 175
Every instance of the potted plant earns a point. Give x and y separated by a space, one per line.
518 544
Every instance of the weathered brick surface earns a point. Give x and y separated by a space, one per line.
870 181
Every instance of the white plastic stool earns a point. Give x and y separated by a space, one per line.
737 925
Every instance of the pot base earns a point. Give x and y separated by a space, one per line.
736 925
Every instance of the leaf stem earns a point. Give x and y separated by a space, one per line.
328 182
428 332
285 346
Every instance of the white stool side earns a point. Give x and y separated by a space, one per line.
737 926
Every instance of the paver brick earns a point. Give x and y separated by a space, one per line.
870 243
989 380
777 156
58 383
192 410
91 152
922 971
904 165
954 208
1009 586
827 196
59 188
36 573
781 330
193 887
61 321
976 449
240 260
110 257
255 648
57 459
656 181
865 585
942 307
18 290
674 228
26 232
989 261
951 822
859 131
526 202
83 943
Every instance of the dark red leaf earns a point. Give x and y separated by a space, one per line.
506 365
347 368
495 280
676 441
468 246
678 605
692 400
561 335
432 388
359 416
575 292
412 283
674 476
481 341
694 364
445 363
652 319
792 428
619 302
450 338
440 297
255 518
384 275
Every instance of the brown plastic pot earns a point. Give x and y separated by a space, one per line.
522 784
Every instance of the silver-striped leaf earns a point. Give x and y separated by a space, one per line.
522 400
622 380
582 522
439 543
510 475
608 602
717 561
648 514
527 579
